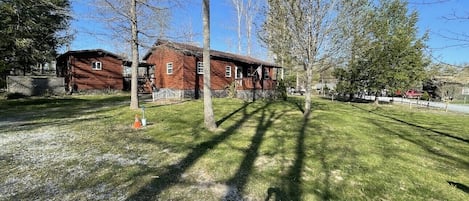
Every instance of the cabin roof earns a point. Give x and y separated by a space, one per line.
97 51
189 49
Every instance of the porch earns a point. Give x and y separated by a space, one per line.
145 77
251 83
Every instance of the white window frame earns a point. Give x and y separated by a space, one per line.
228 71
169 68
200 67
238 75
96 65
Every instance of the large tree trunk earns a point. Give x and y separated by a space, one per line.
134 47
209 119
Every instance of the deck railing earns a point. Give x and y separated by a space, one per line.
250 83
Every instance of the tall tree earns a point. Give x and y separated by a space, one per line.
250 11
31 31
352 39
246 12
279 41
239 7
114 15
307 26
135 57
123 18
209 118
396 57
391 56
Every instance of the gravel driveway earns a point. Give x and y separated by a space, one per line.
40 161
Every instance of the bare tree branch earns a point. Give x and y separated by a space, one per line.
427 2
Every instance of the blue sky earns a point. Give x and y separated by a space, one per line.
433 18
91 35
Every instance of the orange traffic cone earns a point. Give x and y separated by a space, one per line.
137 123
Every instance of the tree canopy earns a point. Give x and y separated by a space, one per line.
31 31
390 54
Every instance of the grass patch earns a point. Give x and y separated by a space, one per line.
83 147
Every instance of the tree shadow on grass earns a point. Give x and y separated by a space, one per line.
420 142
277 193
219 122
459 186
239 180
415 125
24 115
292 185
357 100
168 103
294 189
172 174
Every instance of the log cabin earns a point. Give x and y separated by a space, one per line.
178 72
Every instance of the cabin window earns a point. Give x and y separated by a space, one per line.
265 71
228 71
97 65
249 71
169 68
200 67
238 72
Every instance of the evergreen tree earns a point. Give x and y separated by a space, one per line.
31 31
396 58
388 54
352 40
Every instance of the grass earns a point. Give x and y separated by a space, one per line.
83 147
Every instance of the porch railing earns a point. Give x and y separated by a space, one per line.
249 83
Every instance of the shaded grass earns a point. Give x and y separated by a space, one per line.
262 151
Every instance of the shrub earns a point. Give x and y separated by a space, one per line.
231 90
281 90
426 96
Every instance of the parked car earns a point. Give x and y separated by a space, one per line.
412 94
293 90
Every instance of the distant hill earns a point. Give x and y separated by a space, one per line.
455 75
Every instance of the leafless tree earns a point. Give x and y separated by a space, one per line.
153 19
135 58
124 20
239 7
250 11
458 38
308 27
209 118
427 2
246 11
462 38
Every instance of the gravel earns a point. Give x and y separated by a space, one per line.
54 163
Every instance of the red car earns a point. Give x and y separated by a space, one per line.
412 94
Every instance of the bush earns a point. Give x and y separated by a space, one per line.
281 90
231 90
426 96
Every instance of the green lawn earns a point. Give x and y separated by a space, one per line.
83 147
